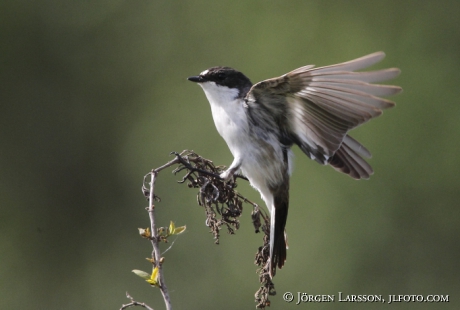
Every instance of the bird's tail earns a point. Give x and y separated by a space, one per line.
278 219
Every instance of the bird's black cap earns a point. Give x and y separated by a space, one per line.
224 76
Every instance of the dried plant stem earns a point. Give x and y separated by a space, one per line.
156 254
156 248
134 303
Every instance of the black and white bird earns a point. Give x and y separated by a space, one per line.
314 108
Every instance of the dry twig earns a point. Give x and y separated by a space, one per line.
134 303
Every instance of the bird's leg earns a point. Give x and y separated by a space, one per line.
234 167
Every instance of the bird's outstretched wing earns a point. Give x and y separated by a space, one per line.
316 107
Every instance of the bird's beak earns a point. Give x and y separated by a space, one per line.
196 79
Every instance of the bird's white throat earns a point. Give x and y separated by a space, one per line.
228 112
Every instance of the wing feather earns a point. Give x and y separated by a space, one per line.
354 87
355 64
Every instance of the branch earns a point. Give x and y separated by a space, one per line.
134 303
154 240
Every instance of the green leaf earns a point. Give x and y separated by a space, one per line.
144 275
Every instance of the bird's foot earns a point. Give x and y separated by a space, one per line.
227 175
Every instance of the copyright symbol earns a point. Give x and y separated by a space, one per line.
288 297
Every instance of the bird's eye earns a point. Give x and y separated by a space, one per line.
221 76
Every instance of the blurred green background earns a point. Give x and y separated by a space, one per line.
94 94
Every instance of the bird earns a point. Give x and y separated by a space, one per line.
311 107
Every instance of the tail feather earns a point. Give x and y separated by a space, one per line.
279 214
